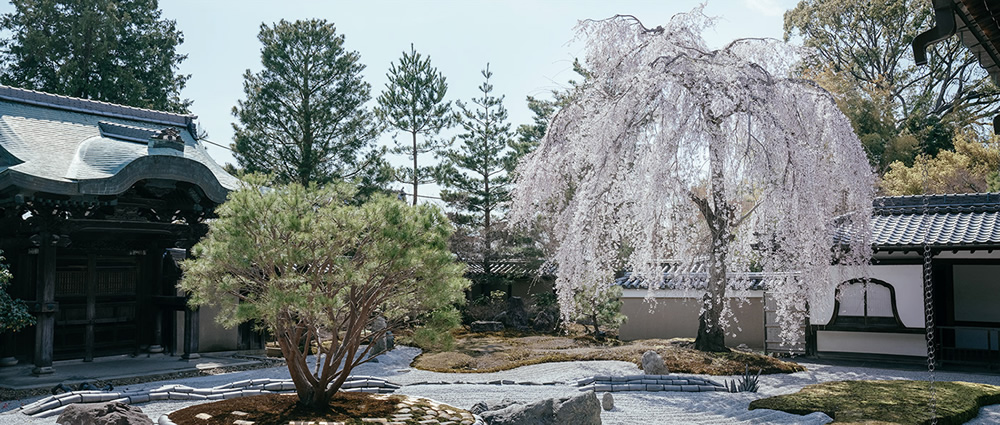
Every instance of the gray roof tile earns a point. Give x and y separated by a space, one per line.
76 146
955 220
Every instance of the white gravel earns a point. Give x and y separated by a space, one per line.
630 407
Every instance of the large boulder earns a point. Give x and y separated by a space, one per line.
114 413
386 341
545 321
583 409
652 364
517 316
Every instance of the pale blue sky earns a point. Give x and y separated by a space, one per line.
527 43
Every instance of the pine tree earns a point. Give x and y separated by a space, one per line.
413 102
304 118
475 177
118 51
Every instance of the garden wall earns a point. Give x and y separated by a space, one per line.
675 315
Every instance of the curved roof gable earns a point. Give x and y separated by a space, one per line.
72 146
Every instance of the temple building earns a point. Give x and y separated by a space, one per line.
98 203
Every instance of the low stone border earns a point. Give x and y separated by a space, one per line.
412 408
496 382
54 405
649 383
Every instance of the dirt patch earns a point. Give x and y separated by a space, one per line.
494 352
346 407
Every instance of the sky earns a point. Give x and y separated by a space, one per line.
528 44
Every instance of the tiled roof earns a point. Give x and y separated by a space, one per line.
691 275
510 269
68 146
942 221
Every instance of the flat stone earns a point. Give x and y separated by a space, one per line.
203 416
242 422
239 413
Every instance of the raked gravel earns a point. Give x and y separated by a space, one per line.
630 407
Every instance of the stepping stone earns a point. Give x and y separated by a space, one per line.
239 413
204 416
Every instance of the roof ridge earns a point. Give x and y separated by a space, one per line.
96 107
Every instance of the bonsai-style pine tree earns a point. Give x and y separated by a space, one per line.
316 270
413 102
673 152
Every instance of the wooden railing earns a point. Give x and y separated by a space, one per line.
981 345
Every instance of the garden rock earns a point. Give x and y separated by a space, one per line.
114 413
486 406
608 401
652 364
517 317
486 326
583 409
386 341
544 321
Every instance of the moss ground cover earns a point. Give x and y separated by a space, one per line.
903 402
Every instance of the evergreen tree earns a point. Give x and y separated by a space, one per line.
475 176
413 102
529 135
315 270
304 118
118 51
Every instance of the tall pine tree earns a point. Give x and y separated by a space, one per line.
413 102
118 51
304 118
475 176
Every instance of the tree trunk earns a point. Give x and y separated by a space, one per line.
711 336
416 178
305 383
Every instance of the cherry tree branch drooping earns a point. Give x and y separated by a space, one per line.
672 152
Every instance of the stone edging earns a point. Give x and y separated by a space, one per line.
54 405
649 383
404 407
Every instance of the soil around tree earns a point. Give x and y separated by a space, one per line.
498 351
347 407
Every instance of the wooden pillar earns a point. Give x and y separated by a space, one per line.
46 305
190 334
156 265
88 354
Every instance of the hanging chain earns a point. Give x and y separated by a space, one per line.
929 303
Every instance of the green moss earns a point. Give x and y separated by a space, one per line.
905 402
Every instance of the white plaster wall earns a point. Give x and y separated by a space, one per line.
906 280
871 343
211 335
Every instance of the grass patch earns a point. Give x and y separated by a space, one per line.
903 402
493 352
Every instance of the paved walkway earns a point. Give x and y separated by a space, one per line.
73 372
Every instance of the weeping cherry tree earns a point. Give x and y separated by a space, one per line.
675 153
